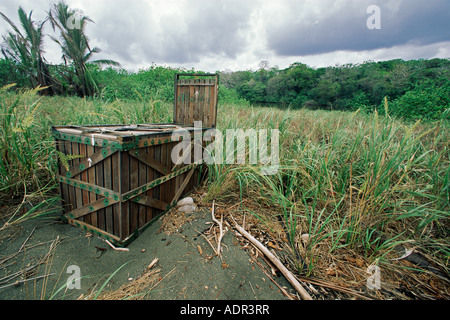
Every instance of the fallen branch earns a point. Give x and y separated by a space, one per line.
303 293
26 280
220 229
115 248
153 263
287 294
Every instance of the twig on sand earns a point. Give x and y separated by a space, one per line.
26 280
303 293
115 248
220 224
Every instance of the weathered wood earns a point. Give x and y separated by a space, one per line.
96 205
183 186
142 156
125 177
303 293
151 202
195 100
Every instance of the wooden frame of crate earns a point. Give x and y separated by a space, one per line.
115 180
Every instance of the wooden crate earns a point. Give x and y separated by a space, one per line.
115 180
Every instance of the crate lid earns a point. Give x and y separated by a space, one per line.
120 137
196 97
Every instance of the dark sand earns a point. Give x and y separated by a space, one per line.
185 273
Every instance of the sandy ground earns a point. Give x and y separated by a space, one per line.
186 272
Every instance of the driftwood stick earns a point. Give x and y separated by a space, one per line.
220 229
26 280
115 248
303 293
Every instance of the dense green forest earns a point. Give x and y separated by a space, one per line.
415 89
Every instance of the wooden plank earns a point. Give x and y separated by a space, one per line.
61 147
202 102
99 191
91 207
164 187
182 187
91 218
150 177
125 187
78 192
84 178
207 111
84 164
157 175
176 98
190 112
151 202
214 104
107 176
115 169
71 190
99 178
88 227
142 179
134 183
141 156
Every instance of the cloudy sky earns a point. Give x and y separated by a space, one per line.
218 35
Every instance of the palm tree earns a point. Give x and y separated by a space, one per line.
26 50
75 46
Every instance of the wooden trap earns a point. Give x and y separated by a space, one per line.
115 180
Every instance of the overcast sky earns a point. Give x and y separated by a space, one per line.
218 35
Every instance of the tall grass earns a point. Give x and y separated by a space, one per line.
346 177
28 158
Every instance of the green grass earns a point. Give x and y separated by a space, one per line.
342 176
28 158
345 175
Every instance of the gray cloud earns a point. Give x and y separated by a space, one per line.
237 34
344 27
179 32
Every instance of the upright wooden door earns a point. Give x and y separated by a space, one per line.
196 97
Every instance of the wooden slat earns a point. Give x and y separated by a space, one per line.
85 163
100 182
125 187
107 176
101 190
142 156
139 190
87 226
91 207
134 183
64 188
84 177
116 174
150 177
190 112
142 180
91 180
71 190
151 202
164 187
183 186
